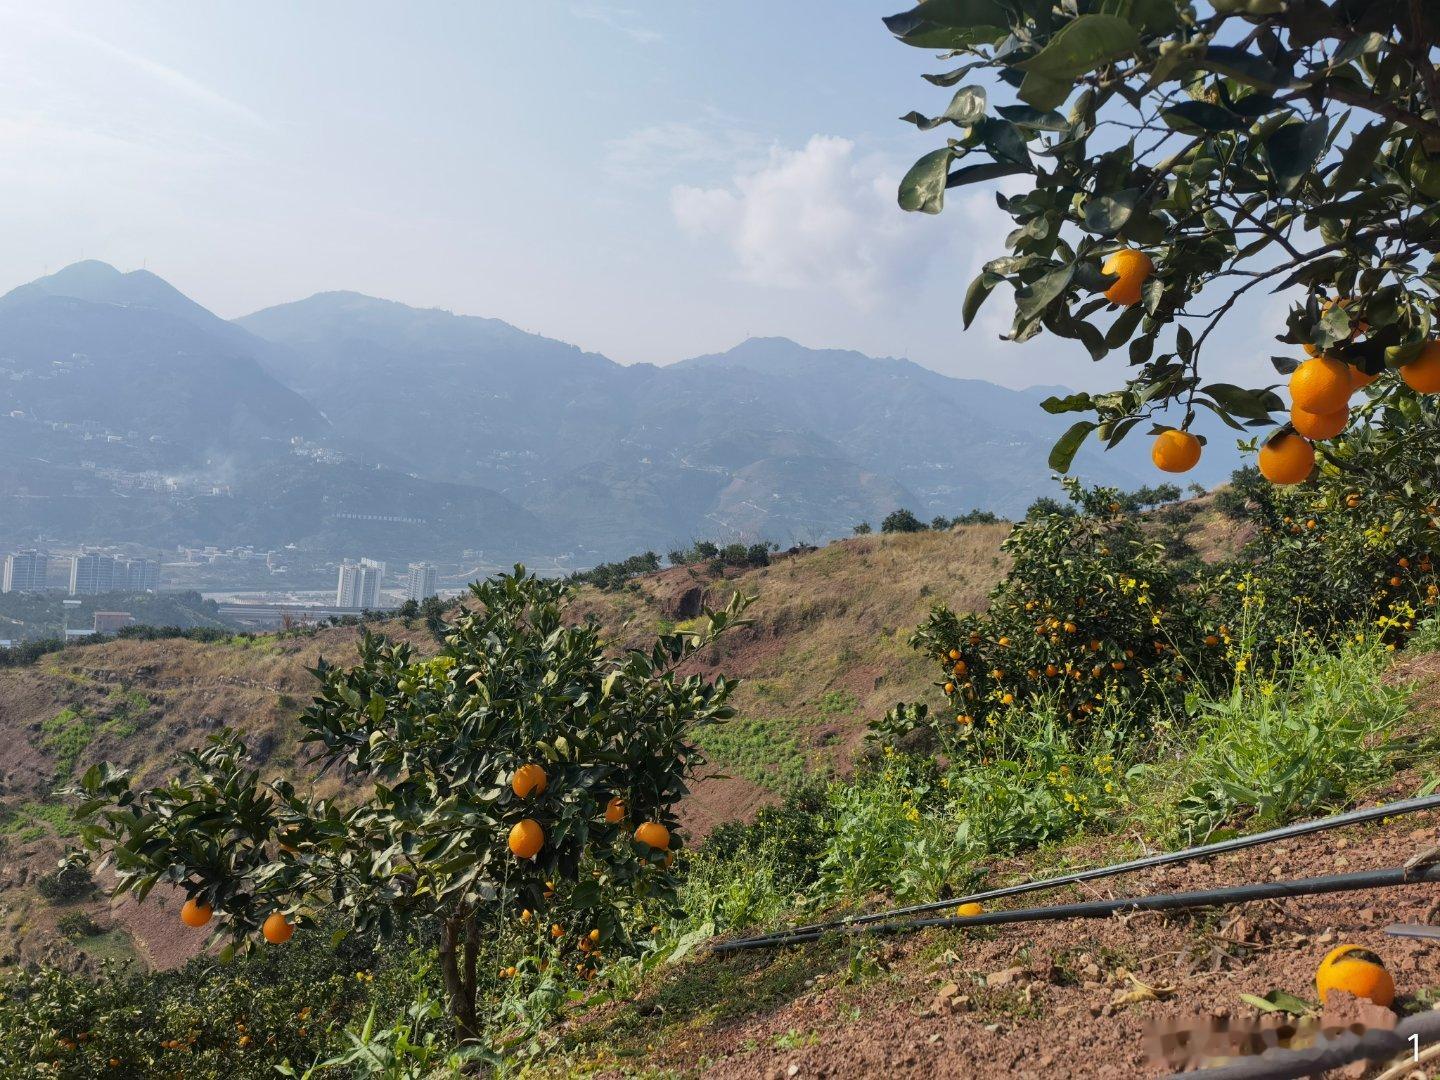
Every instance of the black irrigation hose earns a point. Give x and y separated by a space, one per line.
1099 909
1329 1052
1351 817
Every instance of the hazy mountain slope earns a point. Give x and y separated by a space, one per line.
127 353
770 438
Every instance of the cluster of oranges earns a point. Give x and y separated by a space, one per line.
1320 390
527 836
277 929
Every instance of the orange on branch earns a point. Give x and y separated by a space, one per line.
654 834
1320 385
526 838
1319 425
529 780
1423 373
1175 451
615 810
1133 268
277 929
196 914
1286 459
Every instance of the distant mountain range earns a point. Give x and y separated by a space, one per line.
130 413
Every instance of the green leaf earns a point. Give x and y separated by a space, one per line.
1025 116
923 187
1107 214
1065 448
1248 404
950 24
976 294
1070 403
1293 150
987 170
1279 1001
1359 157
1201 118
1081 46
1031 299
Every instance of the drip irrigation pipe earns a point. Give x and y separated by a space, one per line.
1099 909
1303 828
1329 1052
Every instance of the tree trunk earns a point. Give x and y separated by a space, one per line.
459 992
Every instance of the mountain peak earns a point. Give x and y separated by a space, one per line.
100 283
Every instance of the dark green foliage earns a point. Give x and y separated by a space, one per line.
66 885
1048 506
1175 130
901 521
613 575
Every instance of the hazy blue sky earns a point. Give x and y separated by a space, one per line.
652 180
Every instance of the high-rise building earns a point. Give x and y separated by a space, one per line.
91 574
137 575
25 572
359 584
420 581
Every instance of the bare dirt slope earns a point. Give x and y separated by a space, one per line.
1062 999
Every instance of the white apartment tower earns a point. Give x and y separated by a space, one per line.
420 582
91 574
25 571
359 584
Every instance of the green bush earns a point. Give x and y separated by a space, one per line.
1092 624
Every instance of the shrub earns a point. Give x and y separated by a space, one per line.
1092 621
901 521
69 884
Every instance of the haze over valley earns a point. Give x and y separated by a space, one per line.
344 425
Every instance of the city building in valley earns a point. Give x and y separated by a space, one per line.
359 584
137 575
108 622
25 572
420 582
91 574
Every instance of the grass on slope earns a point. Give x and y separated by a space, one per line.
827 653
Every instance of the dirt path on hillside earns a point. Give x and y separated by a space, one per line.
1074 999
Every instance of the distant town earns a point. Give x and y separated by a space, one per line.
60 593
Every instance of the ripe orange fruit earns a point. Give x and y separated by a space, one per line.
1286 459
1320 385
1359 379
526 838
529 780
1357 971
277 929
557 931
949 688
194 913
615 810
1133 268
970 910
526 915
1175 451
653 834
960 668
1423 373
1319 425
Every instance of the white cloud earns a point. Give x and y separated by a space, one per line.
819 218
660 151
625 20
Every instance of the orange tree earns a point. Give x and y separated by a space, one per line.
1173 157
1091 621
521 759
